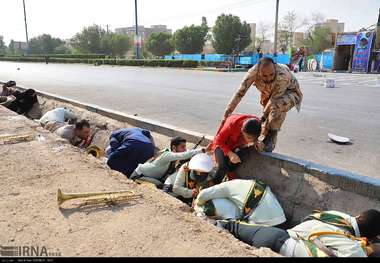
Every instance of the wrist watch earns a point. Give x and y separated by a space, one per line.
261 138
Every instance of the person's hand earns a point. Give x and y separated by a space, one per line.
194 192
234 158
267 108
226 114
259 146
208 148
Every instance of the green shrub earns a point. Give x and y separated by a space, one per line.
109 61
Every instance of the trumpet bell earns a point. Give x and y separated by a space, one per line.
95 151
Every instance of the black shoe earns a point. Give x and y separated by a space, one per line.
270 141
221 223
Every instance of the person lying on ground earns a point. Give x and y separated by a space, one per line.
129 147
255 201
23 102
59 115
280 92
77 134
191 177
231 141
164 165
8 88
321 234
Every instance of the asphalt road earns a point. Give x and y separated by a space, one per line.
196 100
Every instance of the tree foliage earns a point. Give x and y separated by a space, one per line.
230 34
95 40
191 39
160 44
89 40
114 44
290 23
263 33
319 39
46 44
3 47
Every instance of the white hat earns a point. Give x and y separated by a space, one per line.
201 162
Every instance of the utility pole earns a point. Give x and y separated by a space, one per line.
26 29
107 28
137 40
275 29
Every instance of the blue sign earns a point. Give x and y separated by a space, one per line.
362 51
345 39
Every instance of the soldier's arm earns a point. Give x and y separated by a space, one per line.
216 191
248 80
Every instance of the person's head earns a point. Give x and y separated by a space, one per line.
9 84
368 222
178 144
251 130
82 129
200 166
267 70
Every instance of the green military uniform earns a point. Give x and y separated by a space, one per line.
254 200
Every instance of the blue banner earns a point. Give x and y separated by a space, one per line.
362 51
345 39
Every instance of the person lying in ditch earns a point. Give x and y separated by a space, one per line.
192 177
163 168
77 134
231 143
280 92
321 234
254 200
129 147
57 116
20 102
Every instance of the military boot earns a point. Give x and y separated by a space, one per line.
270 141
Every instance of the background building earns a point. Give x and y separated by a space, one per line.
333 24
144 32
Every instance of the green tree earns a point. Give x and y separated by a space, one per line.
319 39
89 40
115 44
45 44
12 50
191 39
160 44
229 34
3 47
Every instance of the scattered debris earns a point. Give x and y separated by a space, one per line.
338 139
329 83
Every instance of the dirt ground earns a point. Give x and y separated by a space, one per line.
154 225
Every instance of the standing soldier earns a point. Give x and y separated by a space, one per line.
280 92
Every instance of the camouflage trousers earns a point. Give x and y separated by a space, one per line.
277 112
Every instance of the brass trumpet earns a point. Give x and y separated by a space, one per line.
95 151
95 198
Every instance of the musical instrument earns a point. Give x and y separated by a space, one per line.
95 151
96 198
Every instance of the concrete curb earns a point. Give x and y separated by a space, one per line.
364 185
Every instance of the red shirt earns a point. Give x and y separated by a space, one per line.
229 137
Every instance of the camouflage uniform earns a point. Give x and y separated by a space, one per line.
276 98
